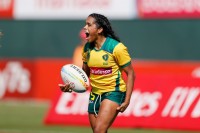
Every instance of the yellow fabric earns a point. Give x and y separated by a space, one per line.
105 67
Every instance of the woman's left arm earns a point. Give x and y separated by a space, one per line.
129 87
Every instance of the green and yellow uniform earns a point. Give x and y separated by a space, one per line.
106 66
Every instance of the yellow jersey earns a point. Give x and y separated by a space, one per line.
106 65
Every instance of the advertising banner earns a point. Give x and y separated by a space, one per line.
6 9
25 78
113 9
16 79
166 95
73 9
160 9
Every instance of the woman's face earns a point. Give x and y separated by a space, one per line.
91 29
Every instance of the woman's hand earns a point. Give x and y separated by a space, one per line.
65 87
123 107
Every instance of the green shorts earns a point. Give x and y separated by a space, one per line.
95 100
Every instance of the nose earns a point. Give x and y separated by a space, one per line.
85 27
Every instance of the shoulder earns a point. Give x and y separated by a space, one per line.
110 45
120 47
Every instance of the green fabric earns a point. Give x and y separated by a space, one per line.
94 100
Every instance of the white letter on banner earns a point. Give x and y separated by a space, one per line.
72 103
142 104
192 95
196 111
180 101
62 106
147 104
80 104
174 104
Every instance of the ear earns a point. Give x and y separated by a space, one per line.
100 30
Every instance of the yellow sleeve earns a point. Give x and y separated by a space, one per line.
121 55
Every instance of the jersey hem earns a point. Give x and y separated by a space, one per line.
127 64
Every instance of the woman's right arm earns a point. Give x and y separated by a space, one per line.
86 69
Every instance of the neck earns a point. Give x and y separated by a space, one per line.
99 42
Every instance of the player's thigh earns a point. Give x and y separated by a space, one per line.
107 113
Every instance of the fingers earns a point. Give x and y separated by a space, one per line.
61 85
65 87
122 108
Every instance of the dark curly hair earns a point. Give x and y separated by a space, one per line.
102 22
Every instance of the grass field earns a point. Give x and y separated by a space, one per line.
27 117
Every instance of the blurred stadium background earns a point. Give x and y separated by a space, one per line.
37 37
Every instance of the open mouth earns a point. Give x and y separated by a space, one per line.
87 34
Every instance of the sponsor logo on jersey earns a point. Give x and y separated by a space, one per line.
105 58
100 71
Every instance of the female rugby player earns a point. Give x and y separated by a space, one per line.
104 59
